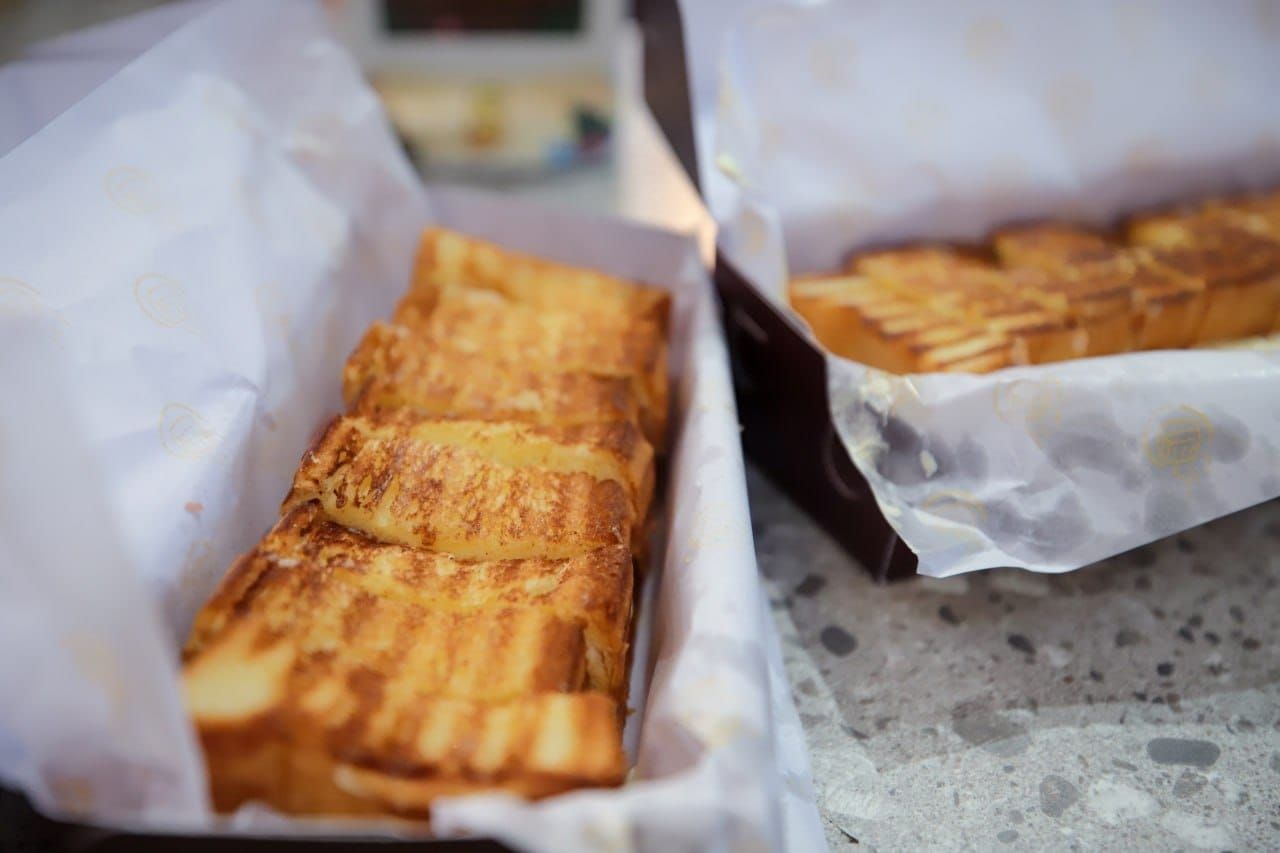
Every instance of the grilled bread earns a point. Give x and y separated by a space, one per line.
470 323
1185 277
1258 214
394 369
929 310
308 555
876 323
924 332
1168 307
445 605
297 759
448 258
1161 310
1045 245
995 304
477 489
1237 268
326 654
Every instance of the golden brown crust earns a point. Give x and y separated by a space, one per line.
449 258
337 651
392 368
472 324
445 606
1045 245
1189 276
1238 271
535 746
468 495
593 589
926 259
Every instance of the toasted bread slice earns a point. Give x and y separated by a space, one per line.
297 745
334 674
1258 213
878 324
1041 329
1238 270
326 625
839 310
1169 307
533 747
912 260
392 368
1005 325
607 451
301 762
1045 245
993 301
338 567
476 323
1193 275
449 258
1097 294
1262 204
1167 228
474 489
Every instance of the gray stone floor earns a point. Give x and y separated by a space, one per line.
1132 704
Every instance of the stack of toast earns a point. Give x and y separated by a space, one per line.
1046 292
445 604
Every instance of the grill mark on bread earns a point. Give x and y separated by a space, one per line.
416 673
1185 277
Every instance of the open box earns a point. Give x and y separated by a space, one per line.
178 334
779 374
1048 467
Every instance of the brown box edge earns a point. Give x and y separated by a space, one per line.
779 377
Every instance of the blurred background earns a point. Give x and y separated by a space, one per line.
527 96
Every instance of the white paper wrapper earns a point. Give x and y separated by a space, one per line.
845 124
203 209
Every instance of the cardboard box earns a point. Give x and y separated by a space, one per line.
779 375
813 130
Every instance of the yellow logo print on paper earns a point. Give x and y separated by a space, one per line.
1040 403
162 299
1175 440
132 190
18 298
958 506
184 432
985 41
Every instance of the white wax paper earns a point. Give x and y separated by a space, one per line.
203 208
842 124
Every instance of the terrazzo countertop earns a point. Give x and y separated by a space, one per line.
1131 704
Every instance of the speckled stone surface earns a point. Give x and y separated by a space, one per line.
1132 704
